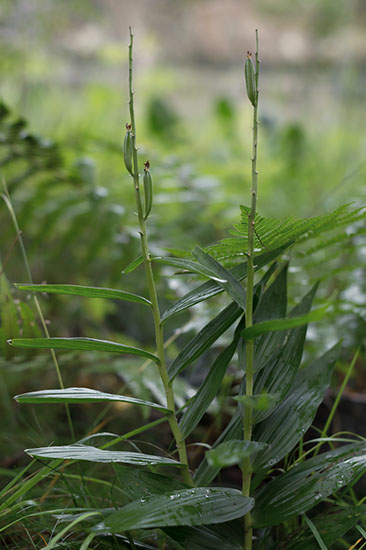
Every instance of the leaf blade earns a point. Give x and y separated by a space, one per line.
93 454
83 395
228 281
86 291
205 338
191 507
211 288
80 344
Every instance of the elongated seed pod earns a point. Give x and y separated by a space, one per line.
250 80
148 191
127 149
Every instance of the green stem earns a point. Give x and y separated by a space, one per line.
7 200
249 373
159 336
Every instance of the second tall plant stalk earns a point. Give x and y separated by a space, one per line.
249 373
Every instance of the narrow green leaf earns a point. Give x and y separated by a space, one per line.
205 338
207 391
142 483
292 418
283 324
276 378
83 395
93 454
279 373
315 532
228 281
272 305
212 288
331 527
80 344
87 291
306 484
184 507
82 517
190 266
232 452
132 266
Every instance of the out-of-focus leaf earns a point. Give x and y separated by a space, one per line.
87 291
197 506
132 266
93 454
190 266
80 344
211 288
331 527
306 484
208 389
283 324
83 395
260 402
232 452
225 278
205 338
288 422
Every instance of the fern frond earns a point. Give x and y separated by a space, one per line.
271 233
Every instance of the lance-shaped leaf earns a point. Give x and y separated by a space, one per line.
80 344
330 526
205 338
279 373
87 291
232 452
228 281
139 484
305 485
197 506
288 422
209 387
190 266
132 266
93 454
275 379
212 288
283 324
83 395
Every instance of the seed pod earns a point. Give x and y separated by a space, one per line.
148 191
250 80
127 149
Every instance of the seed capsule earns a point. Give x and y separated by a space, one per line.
250 80
148 192
127 149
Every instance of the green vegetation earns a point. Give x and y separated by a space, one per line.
178 427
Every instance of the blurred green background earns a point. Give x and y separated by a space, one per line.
64 88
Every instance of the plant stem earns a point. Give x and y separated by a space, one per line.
249 374
159 336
